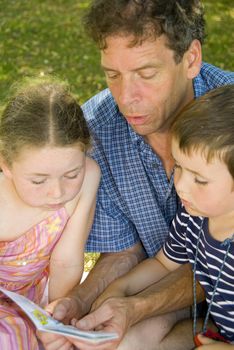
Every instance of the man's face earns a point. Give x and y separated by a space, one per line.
146 83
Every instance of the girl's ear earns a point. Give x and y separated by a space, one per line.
6 169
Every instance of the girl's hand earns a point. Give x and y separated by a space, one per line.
63 309
211 344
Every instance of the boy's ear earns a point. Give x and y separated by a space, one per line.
193 58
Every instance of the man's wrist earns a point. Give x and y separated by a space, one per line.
82 305
139 309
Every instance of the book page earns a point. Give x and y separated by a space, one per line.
46 323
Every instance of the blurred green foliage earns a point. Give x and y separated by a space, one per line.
46 36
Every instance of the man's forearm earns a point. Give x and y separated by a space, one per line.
172 293
108 267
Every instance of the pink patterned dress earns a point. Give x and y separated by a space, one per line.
24 268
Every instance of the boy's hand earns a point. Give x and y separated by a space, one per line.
211 344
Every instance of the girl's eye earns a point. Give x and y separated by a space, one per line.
199 182
34 182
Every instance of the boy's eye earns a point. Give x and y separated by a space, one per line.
177 166
71 177
200 182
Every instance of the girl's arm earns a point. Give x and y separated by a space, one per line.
67 259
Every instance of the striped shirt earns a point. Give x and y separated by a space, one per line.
181 246
135 202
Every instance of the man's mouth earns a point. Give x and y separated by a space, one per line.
136 120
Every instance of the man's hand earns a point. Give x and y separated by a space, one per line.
114 315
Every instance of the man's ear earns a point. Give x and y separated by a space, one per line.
193 58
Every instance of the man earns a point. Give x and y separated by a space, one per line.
151 56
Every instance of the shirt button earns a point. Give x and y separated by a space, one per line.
22 263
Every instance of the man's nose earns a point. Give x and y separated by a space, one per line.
128 93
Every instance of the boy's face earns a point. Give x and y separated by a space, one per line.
47 177
205 189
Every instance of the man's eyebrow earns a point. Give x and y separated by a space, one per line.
146 66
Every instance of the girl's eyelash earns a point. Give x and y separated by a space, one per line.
200 182
38 182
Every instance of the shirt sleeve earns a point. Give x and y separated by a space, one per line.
175 245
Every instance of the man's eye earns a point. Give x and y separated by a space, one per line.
148 73
112 76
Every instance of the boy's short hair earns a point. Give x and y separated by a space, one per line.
207 125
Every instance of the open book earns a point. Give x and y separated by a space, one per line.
46 323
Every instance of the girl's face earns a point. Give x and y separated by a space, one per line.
47 177
205 189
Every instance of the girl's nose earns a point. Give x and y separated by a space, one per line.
56 190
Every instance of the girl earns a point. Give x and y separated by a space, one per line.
47 201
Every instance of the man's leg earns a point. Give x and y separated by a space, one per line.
181 335
149 334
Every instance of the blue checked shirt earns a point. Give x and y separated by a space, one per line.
135 201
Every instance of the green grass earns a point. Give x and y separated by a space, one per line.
46 36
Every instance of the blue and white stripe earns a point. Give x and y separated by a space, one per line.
181 248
